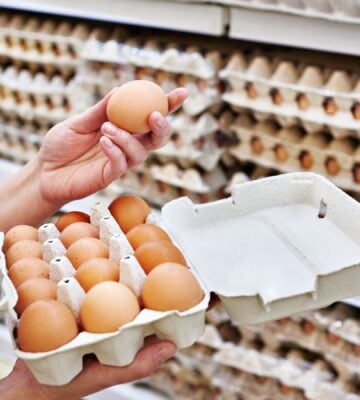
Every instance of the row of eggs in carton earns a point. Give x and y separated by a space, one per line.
60 274
292 148
325 8
160 184
202 94
284 82
153 54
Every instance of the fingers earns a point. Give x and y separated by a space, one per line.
176 98
91 119
132 148
160 132
117 159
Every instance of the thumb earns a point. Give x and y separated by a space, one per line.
91 119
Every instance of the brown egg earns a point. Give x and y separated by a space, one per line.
143 233
129 211
332 166
86 248
70 218
78 230
131 105
28 268
22 249
170 286
33 290
19 232
152 254
107 306
97 270
46 325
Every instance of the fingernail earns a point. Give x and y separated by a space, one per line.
165 353
110 129
160 120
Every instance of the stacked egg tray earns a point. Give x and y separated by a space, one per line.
338 10
316 97
160 184
292 148
295 358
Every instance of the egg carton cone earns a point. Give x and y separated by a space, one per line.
200 102
342 120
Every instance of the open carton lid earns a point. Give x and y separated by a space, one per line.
276 247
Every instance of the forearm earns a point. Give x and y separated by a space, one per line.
21 201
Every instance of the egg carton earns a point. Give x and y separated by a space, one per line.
269 137
20 26
301 271
314 96
41 84
152 54
334 10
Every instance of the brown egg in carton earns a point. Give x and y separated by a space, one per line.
289 149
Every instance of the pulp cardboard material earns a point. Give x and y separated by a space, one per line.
268 251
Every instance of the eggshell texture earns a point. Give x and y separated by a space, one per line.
78 230
131 105
28 268
85 249
70 218
97 270
143 233
152 254
129 211
22 249
170 286
19 232
108 306
46 325
33 290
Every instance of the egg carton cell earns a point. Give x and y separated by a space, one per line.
309 93
155 55
291 149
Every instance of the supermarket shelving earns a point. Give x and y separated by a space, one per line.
200 18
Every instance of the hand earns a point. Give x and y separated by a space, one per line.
85 153
20 384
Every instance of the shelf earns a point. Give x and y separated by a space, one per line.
187 17
294 30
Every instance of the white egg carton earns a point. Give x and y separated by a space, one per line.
290 81
343 150
277 258
151 55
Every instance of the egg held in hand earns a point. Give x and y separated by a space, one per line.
131 105
171 286
152 254
129 211
108 306
46 325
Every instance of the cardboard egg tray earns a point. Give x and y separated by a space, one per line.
161 184
338 10
38 40
294 142
276 261
316 96
124 49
